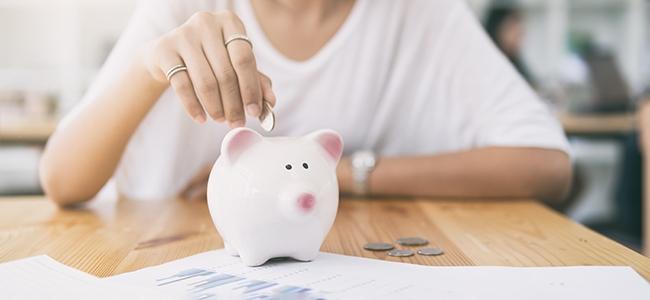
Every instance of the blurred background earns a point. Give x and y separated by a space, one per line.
588 59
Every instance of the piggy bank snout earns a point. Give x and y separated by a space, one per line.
306 202
298 202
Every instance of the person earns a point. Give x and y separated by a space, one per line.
425 103
504 24
643 115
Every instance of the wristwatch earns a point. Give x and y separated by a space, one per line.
363 163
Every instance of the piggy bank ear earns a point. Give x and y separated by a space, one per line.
237 141
330 141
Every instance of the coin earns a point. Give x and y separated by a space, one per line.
378 246
400 252
267 117
412 241
435 251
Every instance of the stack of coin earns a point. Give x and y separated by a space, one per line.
405 241
400 252
435 251
378 246
412 241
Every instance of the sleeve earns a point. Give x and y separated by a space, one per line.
150 20
503 109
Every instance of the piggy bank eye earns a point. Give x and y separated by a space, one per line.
305 165
288 167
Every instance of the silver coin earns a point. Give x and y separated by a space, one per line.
435 251
412 241
267 117
378 246
400 252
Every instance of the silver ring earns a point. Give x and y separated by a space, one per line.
236 37
173 70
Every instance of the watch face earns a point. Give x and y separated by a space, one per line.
363 160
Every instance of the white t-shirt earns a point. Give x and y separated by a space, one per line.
399 77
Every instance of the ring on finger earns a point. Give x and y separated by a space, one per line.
173 70
238 37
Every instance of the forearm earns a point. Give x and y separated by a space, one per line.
488 172
82 155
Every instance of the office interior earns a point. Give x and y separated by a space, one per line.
589 60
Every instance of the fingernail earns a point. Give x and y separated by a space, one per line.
200 118
238 123
253 109
220 119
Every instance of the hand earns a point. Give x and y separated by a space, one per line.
220 81
197 187
344 175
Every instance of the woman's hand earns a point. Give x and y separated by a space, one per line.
197 187
220 80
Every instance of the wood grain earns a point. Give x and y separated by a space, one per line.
30 131
598 124
107 238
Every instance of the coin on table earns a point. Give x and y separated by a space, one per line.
412 241
267 117
378 246
400 252
434 251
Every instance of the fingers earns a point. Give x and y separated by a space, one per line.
195 192
198 183
267 89
217 57
203 80
200 193
221 81
243 62
183 88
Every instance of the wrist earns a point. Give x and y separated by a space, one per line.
148 69
362 165
344 175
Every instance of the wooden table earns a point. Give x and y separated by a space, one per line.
27 131
107 238
598 125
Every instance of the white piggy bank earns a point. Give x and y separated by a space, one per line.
275 197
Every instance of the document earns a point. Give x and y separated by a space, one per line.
41 277
216 275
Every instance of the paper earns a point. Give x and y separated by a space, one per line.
215 274
41 277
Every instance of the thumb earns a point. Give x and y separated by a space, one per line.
267 89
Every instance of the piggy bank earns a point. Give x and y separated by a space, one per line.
274 197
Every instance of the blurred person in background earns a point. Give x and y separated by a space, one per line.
644 146
416 89
505 25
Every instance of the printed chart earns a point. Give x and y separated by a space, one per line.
216 275
207 284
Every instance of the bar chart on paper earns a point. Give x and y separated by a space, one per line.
213 275
216 275
207 284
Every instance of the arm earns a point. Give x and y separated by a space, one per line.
83 153
486 172
220 82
